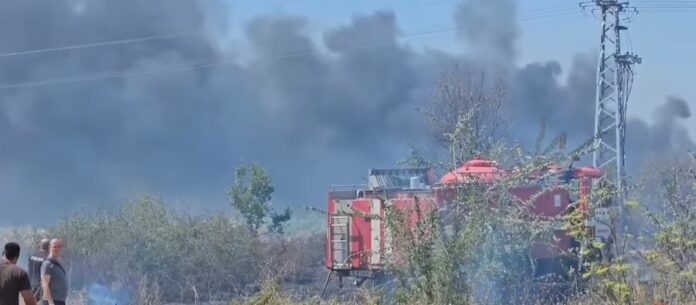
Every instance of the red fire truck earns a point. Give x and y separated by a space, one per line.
358 241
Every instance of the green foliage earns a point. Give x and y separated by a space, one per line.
182 254
279 221
250 194
416 160
475 254
661 263
186 258
271 293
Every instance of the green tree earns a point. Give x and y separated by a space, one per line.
279 221
251 194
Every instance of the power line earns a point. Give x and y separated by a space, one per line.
560 14
539 14
671 4
104 43
528 14
648 5
543 13
651 4
448 27
663 1
534 14
198 64
644 7
113 75
555 7
660 3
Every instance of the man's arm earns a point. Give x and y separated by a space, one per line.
46 267
28 297
45 280
25 289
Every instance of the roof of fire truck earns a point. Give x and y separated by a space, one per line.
477 170
485 171
474 170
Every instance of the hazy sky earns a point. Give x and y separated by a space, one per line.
173 116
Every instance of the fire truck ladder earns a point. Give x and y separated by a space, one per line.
339 242
339 231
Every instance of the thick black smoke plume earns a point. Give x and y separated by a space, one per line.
312 117
663 138
490 31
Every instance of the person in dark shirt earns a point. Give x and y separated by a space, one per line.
13 280
34 267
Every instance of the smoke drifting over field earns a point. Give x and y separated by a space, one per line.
311 118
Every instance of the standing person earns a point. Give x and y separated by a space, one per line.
54 279
34 267
13 280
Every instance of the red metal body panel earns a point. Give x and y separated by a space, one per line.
425 206
585 175
405 202
361 235
551 203
382 233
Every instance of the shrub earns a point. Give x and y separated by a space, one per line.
187 257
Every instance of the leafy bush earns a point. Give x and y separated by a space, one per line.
186 256
657 259
474 254
145 248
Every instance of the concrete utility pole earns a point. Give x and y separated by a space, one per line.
614 80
